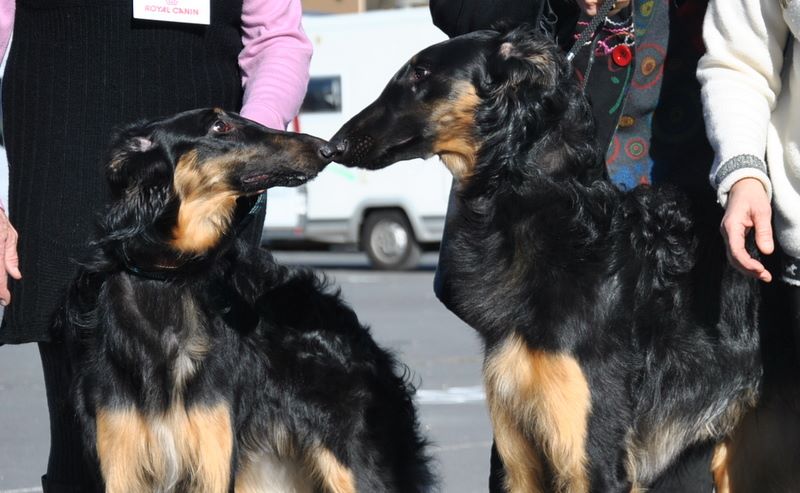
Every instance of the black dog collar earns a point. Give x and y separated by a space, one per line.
156 271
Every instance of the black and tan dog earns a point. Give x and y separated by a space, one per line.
201 364
607 350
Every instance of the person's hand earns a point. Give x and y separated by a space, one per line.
748 208
591 6
9 261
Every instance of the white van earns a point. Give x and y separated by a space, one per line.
393 213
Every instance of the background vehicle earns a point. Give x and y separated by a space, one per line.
391 214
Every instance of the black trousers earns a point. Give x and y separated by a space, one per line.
69 469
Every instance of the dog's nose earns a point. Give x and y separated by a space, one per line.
332 150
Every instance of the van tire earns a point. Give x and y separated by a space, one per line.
388 240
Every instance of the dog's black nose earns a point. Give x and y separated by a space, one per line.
332 150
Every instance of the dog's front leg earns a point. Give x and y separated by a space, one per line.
522 463
182 448
210 437
539 403
122 455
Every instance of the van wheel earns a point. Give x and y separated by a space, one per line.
389 241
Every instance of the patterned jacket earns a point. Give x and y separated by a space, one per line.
641 82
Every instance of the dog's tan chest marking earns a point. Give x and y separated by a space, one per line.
286 470
454 121
180 447
192 345
207 203
539 404
268 473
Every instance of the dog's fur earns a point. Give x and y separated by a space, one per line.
609 349
201 364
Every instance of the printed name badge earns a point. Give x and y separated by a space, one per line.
188 11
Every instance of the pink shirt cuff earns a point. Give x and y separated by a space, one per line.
274 61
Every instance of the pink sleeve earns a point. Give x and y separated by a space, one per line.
274 61
7 8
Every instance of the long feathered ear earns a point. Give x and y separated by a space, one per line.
132 149
138 169
545 118
524 59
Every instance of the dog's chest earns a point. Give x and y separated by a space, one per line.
188 343
164 337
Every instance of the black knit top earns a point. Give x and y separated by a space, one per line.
76 70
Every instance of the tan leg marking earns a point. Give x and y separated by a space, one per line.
210 446
719 468
143 454
334 476
121 445
539 403
521 461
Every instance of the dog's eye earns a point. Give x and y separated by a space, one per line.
221 127
419 73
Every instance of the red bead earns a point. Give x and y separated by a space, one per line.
622 55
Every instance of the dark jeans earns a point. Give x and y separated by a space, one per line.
794 315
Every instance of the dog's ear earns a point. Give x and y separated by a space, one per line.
523 59
140 144
133 150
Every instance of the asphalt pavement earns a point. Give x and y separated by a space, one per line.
443 354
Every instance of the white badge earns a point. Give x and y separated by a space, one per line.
189 11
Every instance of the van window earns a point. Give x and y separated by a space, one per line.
324 95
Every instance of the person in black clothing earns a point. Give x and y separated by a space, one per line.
638 71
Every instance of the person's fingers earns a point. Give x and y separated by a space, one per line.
11 260
748 209
734 229
5 294
762 221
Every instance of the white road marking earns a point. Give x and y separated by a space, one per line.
461 446
452 395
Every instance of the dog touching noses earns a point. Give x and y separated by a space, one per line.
333 149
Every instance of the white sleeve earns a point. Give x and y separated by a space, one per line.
741 80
